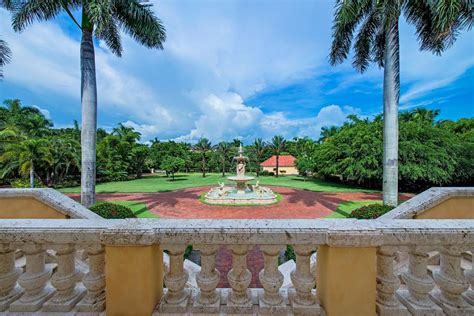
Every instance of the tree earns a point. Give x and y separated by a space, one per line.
223 149
259 151
203 146
104 19
172 165
25 156
5 56
278 145
377 40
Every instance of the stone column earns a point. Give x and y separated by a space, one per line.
239 278
302 298
176 300
452 283
387 284
208 299
33 281
94 281
9 290
469 295
271 279
419 285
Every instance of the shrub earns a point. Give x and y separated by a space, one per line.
370 211
267 173
24 183
112 211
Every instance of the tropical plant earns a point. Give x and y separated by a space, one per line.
258 150
104 19
172 165
203 146
376 23
278 144
5 56
223 149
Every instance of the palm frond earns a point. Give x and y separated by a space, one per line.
364 39
28 11
5 55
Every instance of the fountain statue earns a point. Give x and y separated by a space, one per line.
241 193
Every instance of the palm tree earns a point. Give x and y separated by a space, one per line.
327 132
104 19
203 146
259 151
25 155
278 145
377 40
223 148
5 55
126 134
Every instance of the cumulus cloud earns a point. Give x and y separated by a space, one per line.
43 111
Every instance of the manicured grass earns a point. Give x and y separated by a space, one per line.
138 208
344 209
160 183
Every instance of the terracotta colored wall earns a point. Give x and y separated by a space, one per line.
345 280
27 207
134 279
453 208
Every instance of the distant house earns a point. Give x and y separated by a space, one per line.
286 164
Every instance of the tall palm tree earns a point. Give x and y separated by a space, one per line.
126 133
5 55
258 150
377 40
25 155
203 146
104 19
278 145
223 148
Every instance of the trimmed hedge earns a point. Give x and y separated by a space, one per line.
112 211
370 211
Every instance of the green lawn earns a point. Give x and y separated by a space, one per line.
344 209
138 208
160 183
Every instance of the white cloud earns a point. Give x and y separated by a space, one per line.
43 111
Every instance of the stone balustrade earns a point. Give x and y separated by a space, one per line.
64 285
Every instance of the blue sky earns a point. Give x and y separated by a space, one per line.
230 69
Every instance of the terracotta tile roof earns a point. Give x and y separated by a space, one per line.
284 161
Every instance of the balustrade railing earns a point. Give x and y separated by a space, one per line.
65 285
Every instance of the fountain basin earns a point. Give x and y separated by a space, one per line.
236 196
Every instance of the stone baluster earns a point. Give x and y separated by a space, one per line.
176 299
94 281
208 299
9 290
65 280
239 278
271 279
452 283
33 281
419 285
469 295
387 284
302 298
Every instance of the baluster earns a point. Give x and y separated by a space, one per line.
469 295
94 281
208 299
33 281
9 290
452 283
419 285
302 298
271 279
176 299
387 284
239 278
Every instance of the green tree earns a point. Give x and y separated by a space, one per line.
5 56
172 165
259 147
203 146
104 19
278 144
223 149
377 40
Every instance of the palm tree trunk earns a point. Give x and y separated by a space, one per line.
89 119
203 166
223 167
391 90
277 164
32 176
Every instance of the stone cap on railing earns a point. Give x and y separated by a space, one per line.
332 232
54 199
426 200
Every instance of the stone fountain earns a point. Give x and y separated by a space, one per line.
242 193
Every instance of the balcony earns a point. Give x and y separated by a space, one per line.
56 257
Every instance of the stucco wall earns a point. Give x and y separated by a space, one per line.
452 208
288 170
27 207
